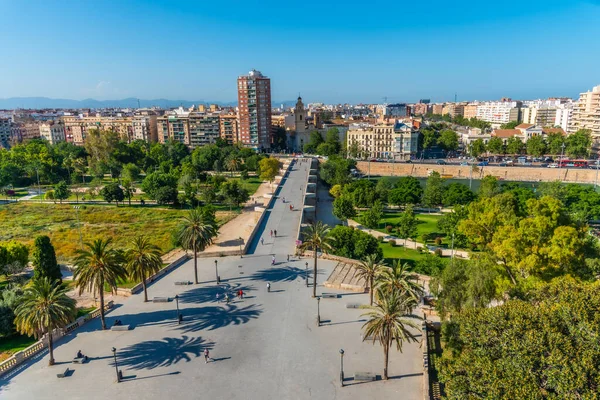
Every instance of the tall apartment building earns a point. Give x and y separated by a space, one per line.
437 109
563 116
586 113
192 129
53 132
254 110
499 112
539 115
228 127
25 131
144 128
5 132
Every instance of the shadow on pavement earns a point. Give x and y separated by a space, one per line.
280 274
161 353
209 294
218 317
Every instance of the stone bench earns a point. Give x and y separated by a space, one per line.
352 305
329 295
119 328
79 360
63 374
364 376
182 283
161 300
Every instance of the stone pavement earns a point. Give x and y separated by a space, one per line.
266 346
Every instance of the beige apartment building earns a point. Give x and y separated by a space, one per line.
454 109
25 131
470 111
228 127
144 128
586 114
76 127
191 129
437 109
542 116
383 141
53 132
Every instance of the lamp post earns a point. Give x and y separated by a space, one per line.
342 367
116 365
562 154
318 311
217 272
178 315
79 226
241 242
306 272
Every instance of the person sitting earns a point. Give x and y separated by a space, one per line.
79 354
117 322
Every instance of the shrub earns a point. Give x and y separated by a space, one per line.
380 239
425 237
389 228
438 252
392 243
438 241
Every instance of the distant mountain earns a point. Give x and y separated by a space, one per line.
45 102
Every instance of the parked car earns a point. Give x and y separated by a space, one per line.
483 164
553 165
544 165
503 164
440 162
464 163
549 159
408 161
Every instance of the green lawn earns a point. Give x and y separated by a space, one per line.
427 223
24 221
406 255
81 311
10 345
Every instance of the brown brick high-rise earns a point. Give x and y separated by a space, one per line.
254 110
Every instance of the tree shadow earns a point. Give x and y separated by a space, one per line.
161 353
279 274
212 318
209 294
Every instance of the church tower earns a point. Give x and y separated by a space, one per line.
300 115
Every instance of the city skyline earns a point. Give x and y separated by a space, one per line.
523 51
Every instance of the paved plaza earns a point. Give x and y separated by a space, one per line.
266 346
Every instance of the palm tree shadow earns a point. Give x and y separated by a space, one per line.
218 317
161 353
280 274
209 294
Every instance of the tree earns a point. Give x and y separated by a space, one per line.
61 191
555 143
155 181
112 192
234 192
44 260
279 139
369 269
509 125
457 193
408 190
49 195
383 187
314 140
407 224
196 232
372 216
448 224
44 307
336 170
434 190
131 172
128 189
96 266
354 150
536 146
142 259
398 278
579 143
346 241
388 323
343 208
448 140
514 145
13 257
166 195
336 191
269 168
316 237
489 186
496 146
477 147
233 164
429 137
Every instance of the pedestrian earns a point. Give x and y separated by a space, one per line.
284 200
241 294
226 298
275 232
206 356
288 258
218 298
271 232
272 260
262 241
268 287
290 207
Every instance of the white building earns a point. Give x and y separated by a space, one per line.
52 132
499 112
586 113
563 116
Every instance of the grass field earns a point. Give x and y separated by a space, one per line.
427 223
406 255
24 221
9 346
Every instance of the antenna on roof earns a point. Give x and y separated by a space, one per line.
455 96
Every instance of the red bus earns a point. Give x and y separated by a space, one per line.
573 163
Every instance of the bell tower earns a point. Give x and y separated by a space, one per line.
300 115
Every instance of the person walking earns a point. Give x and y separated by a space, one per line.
206 356
288 258
226 298
271 232
241 294
262 241
268 287
272 260
275 232
218 298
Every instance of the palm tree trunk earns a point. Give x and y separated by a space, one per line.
50 346
386 352
315 274
195 263
145 293
102 305
371 289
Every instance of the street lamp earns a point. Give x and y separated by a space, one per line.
318 311
217 272
562 154
342 367
241 242
116 365
306 272
178 315
78 225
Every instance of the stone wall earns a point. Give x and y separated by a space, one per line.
529 174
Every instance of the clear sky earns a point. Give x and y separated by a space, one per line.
330 51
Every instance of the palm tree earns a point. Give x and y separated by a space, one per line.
388 323
398 278
142 260
233 164
316 237
369 269
44 307
99 264
196 232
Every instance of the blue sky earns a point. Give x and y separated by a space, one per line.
330 51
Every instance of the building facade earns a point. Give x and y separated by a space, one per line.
194 129
144 128
228 130
543 116
383 141
53 132
586 113
470 111
254 110
499 112
5 132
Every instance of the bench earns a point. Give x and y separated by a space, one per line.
182 283
79 360
119 328
352 305
63 374
329 295
364 376
160 300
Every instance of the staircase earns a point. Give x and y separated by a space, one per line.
344 277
